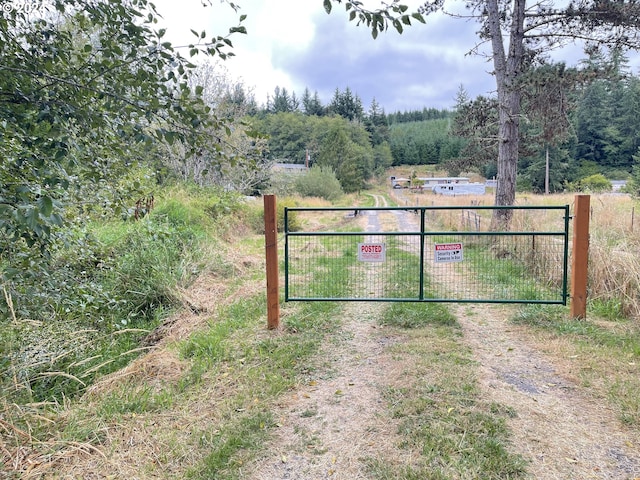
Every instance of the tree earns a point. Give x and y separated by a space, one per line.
547 106
346 150
282 101
312 105
80 92
532 29
476 121
346 104
376 124
242 167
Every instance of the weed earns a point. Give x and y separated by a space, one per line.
609 352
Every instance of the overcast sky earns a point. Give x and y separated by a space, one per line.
294 44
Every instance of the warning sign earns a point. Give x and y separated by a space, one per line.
448 252
371 252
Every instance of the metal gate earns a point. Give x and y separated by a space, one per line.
426 254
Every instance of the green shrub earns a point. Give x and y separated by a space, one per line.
256 215
319 182
79 310
594 183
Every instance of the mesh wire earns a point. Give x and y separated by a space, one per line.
460 258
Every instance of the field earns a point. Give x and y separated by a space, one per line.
357 390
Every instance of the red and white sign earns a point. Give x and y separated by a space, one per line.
371 252
447 252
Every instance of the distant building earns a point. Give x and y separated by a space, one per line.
290 167
459 189
427 182
617 185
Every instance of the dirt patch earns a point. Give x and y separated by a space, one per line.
331 426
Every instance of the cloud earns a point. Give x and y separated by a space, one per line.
423 67
294 44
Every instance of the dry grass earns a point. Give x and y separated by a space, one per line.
614 251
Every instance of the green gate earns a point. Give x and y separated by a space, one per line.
427 254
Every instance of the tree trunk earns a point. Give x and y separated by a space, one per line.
546 171
508 67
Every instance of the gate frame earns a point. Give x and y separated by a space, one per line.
579 270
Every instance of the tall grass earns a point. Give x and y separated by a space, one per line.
99 294
614 248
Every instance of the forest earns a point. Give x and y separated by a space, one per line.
584 118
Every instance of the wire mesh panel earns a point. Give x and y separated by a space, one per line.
495 268
352 267
437 254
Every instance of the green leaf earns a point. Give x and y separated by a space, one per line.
327 6
418 17
45 204
32 219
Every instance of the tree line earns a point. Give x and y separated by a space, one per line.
580 120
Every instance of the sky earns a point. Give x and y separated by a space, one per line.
295 44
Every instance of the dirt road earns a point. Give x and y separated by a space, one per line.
329 426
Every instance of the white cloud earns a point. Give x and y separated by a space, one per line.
272 26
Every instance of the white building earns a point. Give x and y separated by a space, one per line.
459 189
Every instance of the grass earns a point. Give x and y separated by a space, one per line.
264 367
606 353
441 415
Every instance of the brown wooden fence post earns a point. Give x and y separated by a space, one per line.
580 257
271 248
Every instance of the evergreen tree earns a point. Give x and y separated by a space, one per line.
311 105
376 124
347 105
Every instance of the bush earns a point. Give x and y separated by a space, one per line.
594 183
80 309
319 182
256 215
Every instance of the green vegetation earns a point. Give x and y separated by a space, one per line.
607 353
106 287
264 368
440 411
319 182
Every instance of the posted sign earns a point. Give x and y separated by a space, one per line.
448 252
371 252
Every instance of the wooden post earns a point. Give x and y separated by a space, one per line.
580 257
271 247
